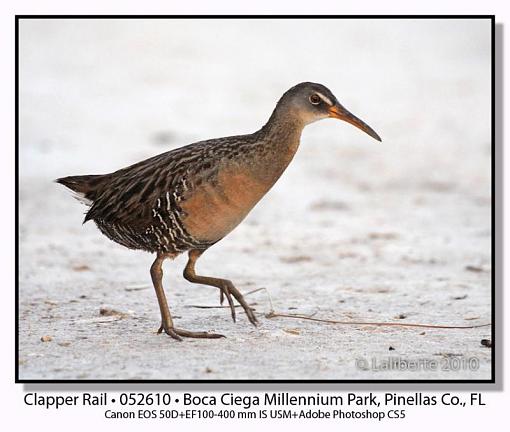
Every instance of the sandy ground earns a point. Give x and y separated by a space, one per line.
354 230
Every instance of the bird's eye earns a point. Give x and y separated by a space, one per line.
315 99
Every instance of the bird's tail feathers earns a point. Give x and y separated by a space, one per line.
85 187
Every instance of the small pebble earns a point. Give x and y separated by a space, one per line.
46 338
473 268
80 268
104 311
486 343
295 259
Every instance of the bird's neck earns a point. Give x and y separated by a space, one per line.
283 124
277 143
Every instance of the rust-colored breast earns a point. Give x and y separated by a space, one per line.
215 209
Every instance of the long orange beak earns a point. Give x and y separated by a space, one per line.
339 112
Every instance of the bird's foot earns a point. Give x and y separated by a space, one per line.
178 334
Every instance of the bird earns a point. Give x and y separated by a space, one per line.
188 199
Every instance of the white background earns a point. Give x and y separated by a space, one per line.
12 405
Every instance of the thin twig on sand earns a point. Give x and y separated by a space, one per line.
272 314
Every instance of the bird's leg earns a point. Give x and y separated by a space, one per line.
167 324
226 287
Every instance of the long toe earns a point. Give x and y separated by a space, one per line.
199 335
232 307
251 316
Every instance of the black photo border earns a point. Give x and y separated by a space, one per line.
492 19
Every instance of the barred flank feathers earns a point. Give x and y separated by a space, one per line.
139 206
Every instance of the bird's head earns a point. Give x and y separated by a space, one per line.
311 102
